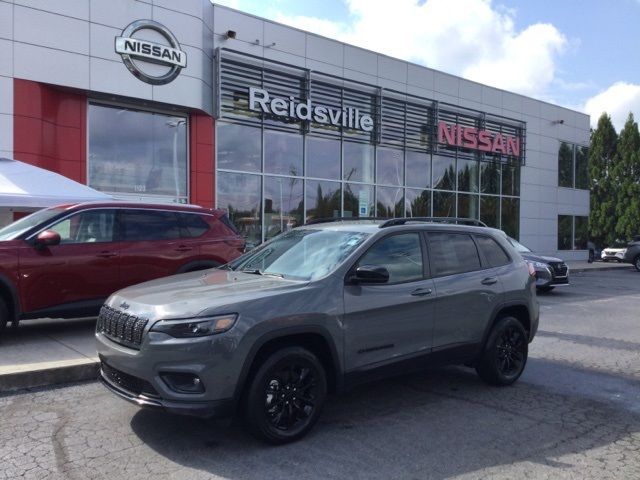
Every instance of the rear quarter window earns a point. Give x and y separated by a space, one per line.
452 253
493 253
192 225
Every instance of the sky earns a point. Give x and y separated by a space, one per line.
581 54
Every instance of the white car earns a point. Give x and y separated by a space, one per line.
615 252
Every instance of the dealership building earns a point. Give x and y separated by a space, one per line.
187 101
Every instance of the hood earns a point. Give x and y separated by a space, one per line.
540 258
191 294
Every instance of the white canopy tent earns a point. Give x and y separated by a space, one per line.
25 186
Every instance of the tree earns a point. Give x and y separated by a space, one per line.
602 157
626 180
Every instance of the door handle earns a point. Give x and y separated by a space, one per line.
421 292
106 254
183 248
489 281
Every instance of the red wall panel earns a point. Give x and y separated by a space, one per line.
201 171
50 128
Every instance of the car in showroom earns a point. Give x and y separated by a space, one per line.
550 271
63 262
615 252
316 310
632 253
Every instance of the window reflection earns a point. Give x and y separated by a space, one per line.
468 206
358 200
511 179
390 166
444 204
136 152
358 162
490 177
282 153
490 211
468 175
444 173
239 147
323 158
390 202
418 166
323 199
510 214
241 195
283 205
418 203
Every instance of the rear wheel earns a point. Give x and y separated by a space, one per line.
286 395
4 315
505 353
636 262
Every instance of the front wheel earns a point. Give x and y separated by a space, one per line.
636 262
286 396
505 353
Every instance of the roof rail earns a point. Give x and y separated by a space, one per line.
344 219
457 220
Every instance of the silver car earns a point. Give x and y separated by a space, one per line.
316 310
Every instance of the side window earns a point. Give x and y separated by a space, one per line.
90 226
494 254
140 225
453 253
193 225
401 255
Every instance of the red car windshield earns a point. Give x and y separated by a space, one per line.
17 228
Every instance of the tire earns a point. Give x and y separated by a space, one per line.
636 262
285 374
505 353
548 288
4 315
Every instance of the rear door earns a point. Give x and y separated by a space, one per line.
84 267
389 321
152 246
467 292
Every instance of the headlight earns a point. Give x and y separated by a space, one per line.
538 264
196 327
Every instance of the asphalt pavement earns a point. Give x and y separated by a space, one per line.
575 413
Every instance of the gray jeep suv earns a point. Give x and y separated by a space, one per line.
316 310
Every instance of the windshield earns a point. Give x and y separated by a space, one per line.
17 228
300 254
518 246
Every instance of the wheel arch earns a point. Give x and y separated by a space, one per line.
9 294
517 310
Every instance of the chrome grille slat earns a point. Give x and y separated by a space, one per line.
121 327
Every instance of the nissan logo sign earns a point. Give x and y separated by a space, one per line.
136 51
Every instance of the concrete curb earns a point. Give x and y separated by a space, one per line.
49 376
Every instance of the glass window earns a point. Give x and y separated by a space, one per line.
468 206
511 217
418 203
91 226
390 166
304 254
239 147
358 200
453 253
323 158
565 165
192 225
136 152
283 205
23 225
390 202
323 199
492 252
148 225
358 162
582 167
241 196
418 166
401 255
565 232
490 211
511 179
490 177
468 175
444 173
282 153
581 233
444 204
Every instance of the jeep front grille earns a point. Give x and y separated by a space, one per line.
120 326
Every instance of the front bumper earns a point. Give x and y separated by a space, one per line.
545 277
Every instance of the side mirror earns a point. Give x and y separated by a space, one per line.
370 274
47 238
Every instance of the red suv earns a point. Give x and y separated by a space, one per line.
64 261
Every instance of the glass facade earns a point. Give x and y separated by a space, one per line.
148 159
573 166
277 172
573 232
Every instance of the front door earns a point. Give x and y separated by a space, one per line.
81 270
389 321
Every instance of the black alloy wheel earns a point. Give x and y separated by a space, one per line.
286 395
636 262
505 353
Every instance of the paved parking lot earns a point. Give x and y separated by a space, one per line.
574 414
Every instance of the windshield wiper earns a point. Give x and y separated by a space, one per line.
253 271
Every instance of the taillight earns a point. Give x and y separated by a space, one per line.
532 270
